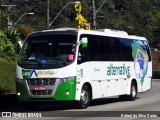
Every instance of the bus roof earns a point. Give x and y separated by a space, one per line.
102 32
111 33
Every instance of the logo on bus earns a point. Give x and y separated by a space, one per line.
37 73
140 57
118 70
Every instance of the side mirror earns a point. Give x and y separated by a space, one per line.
84 42
20 43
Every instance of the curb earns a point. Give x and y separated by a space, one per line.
155 79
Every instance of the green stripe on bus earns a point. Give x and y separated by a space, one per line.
68 86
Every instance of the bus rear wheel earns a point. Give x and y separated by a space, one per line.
133 92
85 97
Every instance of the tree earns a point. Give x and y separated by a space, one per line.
3 17
7 50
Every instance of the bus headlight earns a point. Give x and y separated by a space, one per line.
22 81
62 80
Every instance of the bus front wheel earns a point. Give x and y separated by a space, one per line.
85 97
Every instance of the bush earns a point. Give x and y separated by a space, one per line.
156 64
7 77
9 44
7 50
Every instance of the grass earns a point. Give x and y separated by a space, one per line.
7 77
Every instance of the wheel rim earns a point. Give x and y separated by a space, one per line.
134 91
84 97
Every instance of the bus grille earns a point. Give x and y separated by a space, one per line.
45 81
41 92
48 83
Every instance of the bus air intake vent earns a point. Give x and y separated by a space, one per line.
41 92
44 81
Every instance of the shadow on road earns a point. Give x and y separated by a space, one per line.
9 103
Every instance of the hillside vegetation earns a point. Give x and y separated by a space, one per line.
7 76
139 17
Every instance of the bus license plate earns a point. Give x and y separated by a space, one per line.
39 88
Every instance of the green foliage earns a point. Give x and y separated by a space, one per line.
12 35
7 77
9 44
3 17
6 48
138 17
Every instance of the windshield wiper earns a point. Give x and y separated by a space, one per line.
39 62
34 60
31 60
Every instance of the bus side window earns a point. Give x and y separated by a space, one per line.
82 57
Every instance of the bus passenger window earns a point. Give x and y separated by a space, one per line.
82 56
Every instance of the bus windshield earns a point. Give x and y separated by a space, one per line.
56 50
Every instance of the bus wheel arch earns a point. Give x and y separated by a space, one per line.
85 96
133 89
90 89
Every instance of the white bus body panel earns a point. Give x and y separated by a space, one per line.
104 85
64 72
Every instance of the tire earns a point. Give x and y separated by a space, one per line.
85 97
133 93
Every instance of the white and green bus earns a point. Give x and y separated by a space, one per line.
68 64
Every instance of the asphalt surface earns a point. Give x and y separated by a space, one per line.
145 107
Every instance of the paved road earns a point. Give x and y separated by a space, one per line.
147 101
